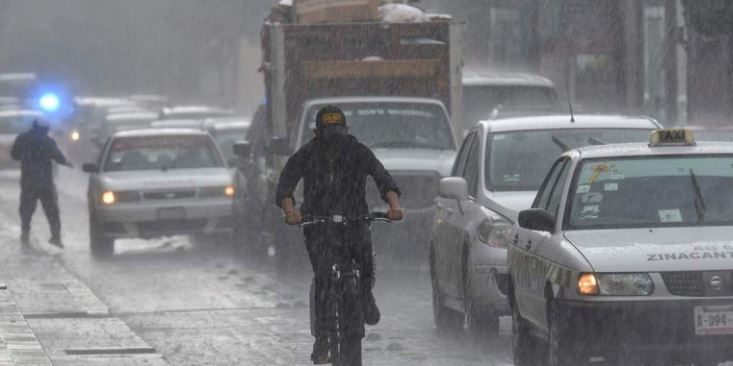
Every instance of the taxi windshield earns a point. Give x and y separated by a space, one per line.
161 153
655 191
518 161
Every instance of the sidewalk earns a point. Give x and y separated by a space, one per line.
49 317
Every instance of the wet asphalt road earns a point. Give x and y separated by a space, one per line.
209 304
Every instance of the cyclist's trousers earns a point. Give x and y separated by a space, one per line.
322 257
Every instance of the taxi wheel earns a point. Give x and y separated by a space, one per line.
445 319
525 346
100 245
563 349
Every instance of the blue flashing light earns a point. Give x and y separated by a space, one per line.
49 102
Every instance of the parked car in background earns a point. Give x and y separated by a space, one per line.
158 182
227 131
488 94
177 123
126 121
194 112
13 123
497 173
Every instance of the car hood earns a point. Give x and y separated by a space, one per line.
508 204
656 250
175 178
439 161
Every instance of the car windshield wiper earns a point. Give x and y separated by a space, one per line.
699 201
594 141
561 144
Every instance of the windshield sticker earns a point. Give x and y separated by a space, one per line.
583 188
590 212
610 187
499 137
670 215
593 197
511 178
597 171
699 252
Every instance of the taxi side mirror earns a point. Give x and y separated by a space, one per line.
453 188
242 149
537 219
90 168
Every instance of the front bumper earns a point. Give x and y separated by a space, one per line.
143 220
650 330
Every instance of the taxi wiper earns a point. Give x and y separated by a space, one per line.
561 144
699 201
594 141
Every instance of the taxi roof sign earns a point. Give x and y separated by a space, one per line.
671 137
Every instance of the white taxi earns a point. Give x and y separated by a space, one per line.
627 255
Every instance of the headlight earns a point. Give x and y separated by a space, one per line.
75 136
110 198
217 192
615 284
495 232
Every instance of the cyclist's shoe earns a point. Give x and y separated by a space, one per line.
320 354
371 311
25 238
56 241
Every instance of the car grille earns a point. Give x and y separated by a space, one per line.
169 195
684 283
418 190
168 226
699 283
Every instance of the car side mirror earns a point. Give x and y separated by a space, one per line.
242 148
90 168
279 146
454 188
537 219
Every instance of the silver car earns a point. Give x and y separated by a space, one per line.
158 182
627 254
496 174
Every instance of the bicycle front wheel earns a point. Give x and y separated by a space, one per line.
351 351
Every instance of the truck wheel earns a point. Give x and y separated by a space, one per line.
99 244
445 319
562 348
524 344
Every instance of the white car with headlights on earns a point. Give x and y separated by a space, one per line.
627 254
157 182
496 174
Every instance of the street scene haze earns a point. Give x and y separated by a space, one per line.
366 182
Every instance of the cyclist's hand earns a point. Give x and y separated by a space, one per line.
395 214
293 217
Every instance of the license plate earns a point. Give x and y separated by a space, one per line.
171 213
714 320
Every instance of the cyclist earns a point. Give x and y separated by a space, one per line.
334 167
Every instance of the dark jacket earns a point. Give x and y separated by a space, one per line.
334 174
36 151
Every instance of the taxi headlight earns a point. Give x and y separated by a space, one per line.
617 284
110 198
217 192
494 232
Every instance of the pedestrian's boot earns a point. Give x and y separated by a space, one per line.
320 354
25 238
371 311
56 241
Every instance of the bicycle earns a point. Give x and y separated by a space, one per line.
343 297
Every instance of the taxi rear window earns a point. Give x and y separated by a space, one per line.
162 153
652 192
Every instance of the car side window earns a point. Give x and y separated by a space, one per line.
461 157
553 205
470 171
544 193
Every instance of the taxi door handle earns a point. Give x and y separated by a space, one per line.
529 244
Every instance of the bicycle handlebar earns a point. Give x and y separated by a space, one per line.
338 219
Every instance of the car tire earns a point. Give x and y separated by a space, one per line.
99 244
526 351
445 319
563 349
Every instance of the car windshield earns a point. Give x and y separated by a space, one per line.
161 153
714 135
518 161
226 138
480 101
396 125
652 191
15 124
